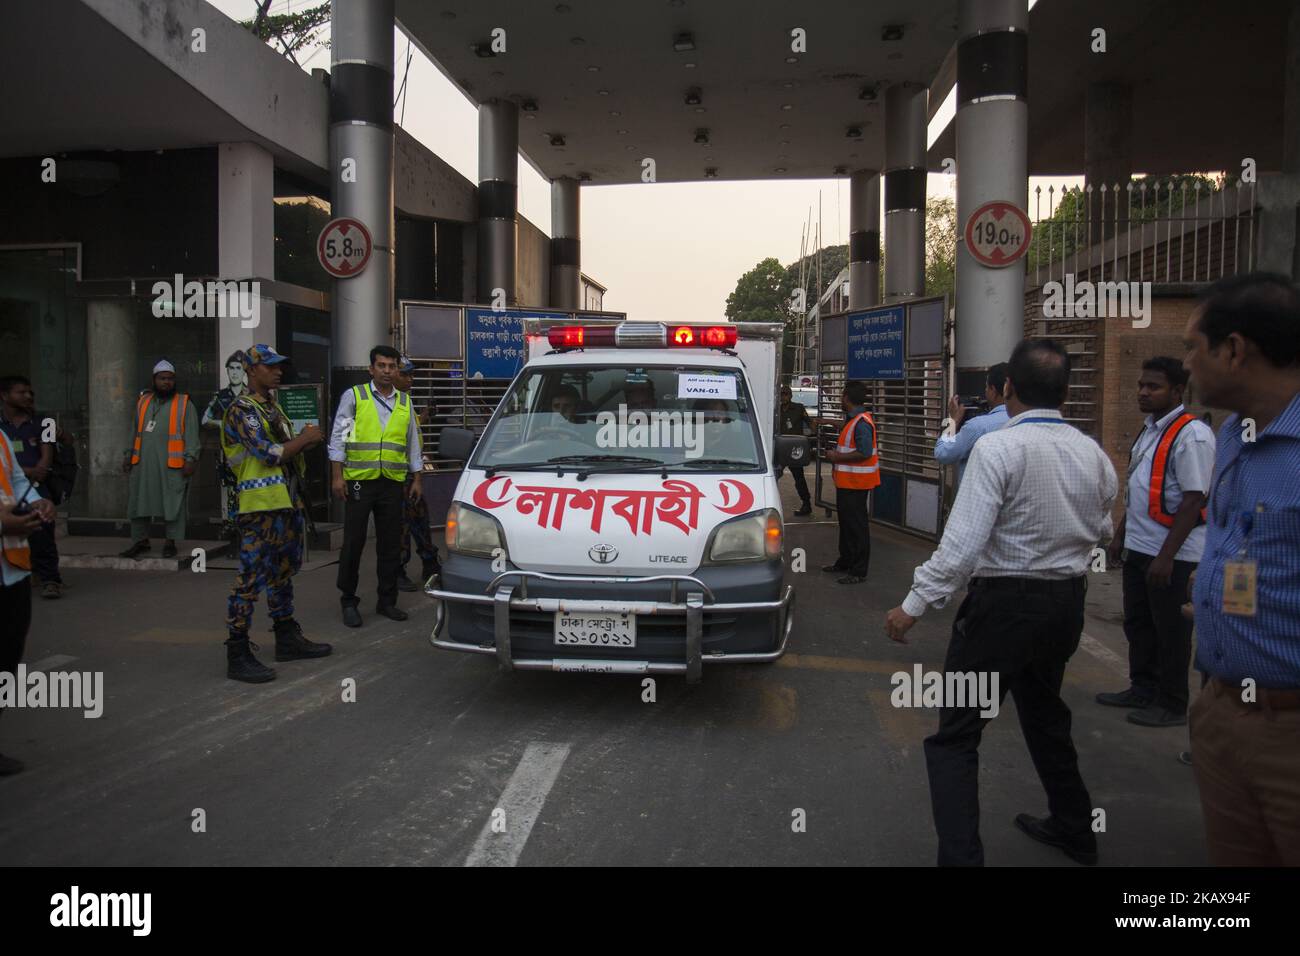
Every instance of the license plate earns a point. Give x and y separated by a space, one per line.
595 630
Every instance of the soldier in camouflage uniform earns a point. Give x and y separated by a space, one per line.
266 458
415 517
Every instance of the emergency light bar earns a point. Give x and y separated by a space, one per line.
640 335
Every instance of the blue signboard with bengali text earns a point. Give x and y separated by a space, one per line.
494 342
875 343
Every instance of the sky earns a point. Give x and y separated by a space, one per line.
670 251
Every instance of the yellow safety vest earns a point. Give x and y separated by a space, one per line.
16 550
370 451
261 487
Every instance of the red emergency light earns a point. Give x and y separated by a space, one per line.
580 336
704 336
641 335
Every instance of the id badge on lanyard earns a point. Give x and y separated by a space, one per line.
1241 573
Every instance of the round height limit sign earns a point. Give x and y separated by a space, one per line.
997 233
343 247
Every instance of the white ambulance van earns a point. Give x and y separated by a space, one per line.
620 512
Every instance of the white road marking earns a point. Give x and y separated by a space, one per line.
1103 653
49 663
521 802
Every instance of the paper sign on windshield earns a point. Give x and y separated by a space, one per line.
706 386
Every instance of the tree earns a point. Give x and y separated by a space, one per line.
292 31
762 294
941 247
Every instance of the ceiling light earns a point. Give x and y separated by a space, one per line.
602 92
853 132
529 116
593 69
577 41
683 42
701 109
557 140
529 106
711 172
785 126
676 3
622 132
693 96
562 8
448 15
792 59
689 66
630 149
779 169
789 84
615 113
868 93
787 106
702 137
891 33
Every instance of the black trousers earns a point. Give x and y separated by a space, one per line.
855 531
1025 637
45 553
383 498
15 619
1159 637
800 483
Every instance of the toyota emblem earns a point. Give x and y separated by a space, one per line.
603 553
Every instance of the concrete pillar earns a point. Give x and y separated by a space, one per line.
498 196
864 239
245 240
361 130
992 163
111 342
1107 154
566 251
905 178
1291 94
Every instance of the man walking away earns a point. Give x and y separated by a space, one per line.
26 435
954 449
856 469
1244 355
795 421
415 514
266 457
161 461
1035 500
374 446
1160 540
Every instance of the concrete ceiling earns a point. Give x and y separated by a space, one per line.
1207 81
563 55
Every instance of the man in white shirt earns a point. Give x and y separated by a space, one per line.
1160 540
1033 504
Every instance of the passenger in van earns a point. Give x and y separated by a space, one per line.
639 396
565 402
713 409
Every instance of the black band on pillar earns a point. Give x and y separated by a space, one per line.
864 246
359 91
904 189
496 200
993 64
565 251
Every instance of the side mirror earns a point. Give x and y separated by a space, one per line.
791 451
456 444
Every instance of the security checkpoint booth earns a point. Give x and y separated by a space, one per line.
465 357
900 352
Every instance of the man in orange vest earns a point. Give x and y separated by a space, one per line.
161 461
856 467
1161 539
21 512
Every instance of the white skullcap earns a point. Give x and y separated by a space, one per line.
164 366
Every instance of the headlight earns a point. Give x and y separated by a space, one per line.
470 531
751 537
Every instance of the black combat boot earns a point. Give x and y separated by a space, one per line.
241 664
429 570
291 645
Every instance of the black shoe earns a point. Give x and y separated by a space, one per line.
392 612
136 549
1125 698
291 645
834 569
851 579
9 766
804 512
1081 849
242 665
169 549
406 584
1157 716
351 616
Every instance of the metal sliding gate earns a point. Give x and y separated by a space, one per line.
465 358
900 353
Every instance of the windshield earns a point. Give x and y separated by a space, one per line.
683 417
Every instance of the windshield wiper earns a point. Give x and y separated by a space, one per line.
526 466
714 463
560 461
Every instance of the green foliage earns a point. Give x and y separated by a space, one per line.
292 31
941 247
762 294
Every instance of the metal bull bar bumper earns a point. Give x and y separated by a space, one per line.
687 598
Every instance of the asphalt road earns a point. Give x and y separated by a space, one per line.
571 768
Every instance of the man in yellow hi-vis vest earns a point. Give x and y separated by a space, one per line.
266 457
373 447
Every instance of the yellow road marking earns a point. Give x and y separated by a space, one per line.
852 665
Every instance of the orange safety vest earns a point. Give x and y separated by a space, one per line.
1160 467
858 475
16 550
175 429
